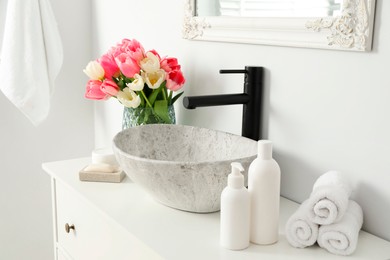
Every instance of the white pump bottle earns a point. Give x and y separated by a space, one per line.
264 190
235 211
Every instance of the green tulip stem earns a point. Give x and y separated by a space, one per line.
164 94
146 99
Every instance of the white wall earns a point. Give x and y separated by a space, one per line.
324 109
25 196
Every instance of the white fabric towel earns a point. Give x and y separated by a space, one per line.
329 199
31 57
341 238
300 230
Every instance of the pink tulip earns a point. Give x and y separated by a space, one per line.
169 64
135 49
119 48
111 69
109 87
128 66
131 47
94 92
175 80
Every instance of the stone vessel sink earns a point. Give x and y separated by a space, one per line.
183 167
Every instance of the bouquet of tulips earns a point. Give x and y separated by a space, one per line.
135 77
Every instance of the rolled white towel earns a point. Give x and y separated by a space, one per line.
341 238
300 230
329 198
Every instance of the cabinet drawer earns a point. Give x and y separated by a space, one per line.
94 236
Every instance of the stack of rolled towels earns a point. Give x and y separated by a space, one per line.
328 217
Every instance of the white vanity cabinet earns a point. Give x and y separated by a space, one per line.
82 231
117 221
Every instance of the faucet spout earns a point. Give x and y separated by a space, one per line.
251 99
215 100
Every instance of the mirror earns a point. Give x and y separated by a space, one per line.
327 24
268 8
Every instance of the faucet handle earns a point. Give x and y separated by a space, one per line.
233 71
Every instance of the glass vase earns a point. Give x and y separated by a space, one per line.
147 115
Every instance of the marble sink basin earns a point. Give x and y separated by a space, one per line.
183 167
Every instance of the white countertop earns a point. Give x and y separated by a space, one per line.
175 234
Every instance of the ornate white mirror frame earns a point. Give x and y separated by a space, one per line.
352 30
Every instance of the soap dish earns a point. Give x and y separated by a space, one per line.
116 176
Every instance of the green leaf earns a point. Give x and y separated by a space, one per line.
170 97
165 92
161 110
126 80
121 84
154 95
176 97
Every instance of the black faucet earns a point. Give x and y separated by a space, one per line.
251 99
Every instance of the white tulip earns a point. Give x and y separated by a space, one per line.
154 79
151 63
128 98
137 84
94 70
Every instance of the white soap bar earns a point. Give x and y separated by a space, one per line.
100 167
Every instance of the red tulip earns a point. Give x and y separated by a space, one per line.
175 80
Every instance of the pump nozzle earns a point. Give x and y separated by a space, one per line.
236 179
237 168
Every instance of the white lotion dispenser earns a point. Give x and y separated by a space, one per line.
264 190
235 211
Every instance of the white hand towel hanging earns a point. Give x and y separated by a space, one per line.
31 57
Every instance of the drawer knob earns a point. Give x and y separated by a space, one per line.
69 227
